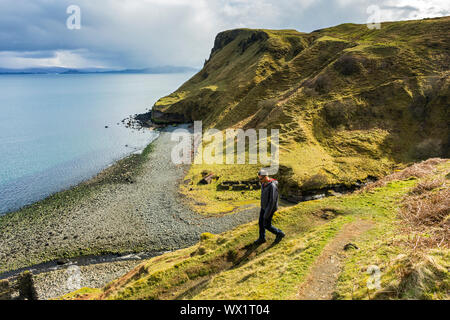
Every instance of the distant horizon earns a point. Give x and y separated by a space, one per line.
88 70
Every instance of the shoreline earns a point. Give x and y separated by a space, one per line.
68 198
112 163
131 207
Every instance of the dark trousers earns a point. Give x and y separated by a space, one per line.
266 224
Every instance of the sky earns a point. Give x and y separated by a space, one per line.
123 34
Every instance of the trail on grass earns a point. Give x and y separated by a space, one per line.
321 281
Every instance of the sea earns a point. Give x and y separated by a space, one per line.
57 130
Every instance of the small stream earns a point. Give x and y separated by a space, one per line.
328 191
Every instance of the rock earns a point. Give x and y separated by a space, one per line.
207 179
239 185
327 214
350 245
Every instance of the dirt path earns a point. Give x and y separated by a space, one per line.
322 279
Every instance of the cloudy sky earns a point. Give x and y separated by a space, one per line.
145 33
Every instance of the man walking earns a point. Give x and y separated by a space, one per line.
269 204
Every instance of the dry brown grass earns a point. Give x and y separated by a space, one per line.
418 170
425 217
424 214
418 275
424 222
428 185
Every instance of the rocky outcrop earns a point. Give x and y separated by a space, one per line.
296 195
239 185
160 117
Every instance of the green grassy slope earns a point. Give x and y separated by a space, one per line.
225 266
349 102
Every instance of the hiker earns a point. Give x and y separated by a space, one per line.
269 204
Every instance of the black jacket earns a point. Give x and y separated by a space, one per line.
269 198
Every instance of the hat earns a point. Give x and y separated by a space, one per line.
263 172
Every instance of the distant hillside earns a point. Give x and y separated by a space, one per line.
350 102
61 70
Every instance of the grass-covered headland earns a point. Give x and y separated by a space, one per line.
350 102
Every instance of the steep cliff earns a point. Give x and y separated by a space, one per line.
349 102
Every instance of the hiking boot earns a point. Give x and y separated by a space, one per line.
259 241
280 236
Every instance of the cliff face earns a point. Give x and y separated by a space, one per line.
239 61
349 102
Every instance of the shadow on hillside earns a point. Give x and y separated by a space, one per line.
194 290
249 250
236 261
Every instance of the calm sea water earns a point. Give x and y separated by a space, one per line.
52 128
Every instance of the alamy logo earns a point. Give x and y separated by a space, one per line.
213 147
73 278
374 20
73 22
374 280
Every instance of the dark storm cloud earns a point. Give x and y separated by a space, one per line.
139 33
